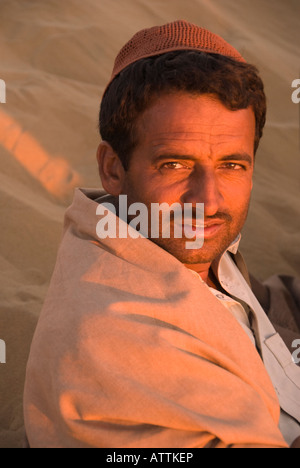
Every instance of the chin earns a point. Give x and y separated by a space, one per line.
206 254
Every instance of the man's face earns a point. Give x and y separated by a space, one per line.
192 149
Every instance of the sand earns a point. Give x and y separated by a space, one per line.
56 58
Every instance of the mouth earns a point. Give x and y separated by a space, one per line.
206 230
212 229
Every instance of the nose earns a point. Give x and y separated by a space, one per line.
204 188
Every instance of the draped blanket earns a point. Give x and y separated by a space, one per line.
132 350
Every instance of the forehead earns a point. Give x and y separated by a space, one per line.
184 119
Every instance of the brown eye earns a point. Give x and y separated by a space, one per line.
233 166
173 165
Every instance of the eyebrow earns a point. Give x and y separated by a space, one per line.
230 157
238 157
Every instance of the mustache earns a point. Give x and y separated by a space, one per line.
219 216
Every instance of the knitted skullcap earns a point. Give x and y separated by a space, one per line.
179 35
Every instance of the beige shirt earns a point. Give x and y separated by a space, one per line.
239 304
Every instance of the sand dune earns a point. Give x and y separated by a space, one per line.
56 58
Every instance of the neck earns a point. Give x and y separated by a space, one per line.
206 273
203 270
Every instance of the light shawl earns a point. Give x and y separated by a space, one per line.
132 350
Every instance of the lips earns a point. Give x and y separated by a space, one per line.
193 228
208 229
212 229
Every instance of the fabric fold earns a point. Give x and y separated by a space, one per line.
131 350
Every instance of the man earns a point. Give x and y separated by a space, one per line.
143 341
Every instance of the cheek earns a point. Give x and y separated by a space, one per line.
140 188
237 195
146 187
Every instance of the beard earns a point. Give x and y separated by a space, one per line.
212 248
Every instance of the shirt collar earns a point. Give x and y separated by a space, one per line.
233 248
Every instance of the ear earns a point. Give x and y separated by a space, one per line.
111 170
